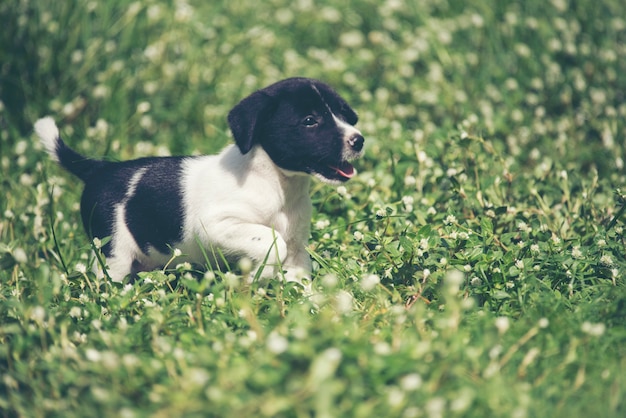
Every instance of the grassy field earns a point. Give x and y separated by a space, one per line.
474 267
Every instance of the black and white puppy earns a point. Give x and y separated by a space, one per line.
251 200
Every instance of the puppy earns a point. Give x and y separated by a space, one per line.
251 200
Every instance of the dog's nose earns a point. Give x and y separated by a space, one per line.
356 142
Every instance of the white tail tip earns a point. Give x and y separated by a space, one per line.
48 134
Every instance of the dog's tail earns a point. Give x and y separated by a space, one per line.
79 165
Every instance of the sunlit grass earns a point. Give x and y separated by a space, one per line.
474 266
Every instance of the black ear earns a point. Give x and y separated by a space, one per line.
337 103
349 115
244 119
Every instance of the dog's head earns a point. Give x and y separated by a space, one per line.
303 125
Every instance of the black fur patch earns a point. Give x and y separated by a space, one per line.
153 213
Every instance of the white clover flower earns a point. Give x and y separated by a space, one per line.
595 330
26 180
453 281
369 282
19 255
358 236
606 260
198 376
21 147
177 252
601 243
341 190
97 243
576 253
325 365
426 273
143 107
534 248
450 219
467 268
101 91
245 265
524 227
330 281
322 223
184 11
81 268
543 323
351 39
344 301
475 281
276 343
38 314
431 211
93 355
68 109
395 397
411 382
76 312
436 407
231 279
382 348
186 266
110 360
502 323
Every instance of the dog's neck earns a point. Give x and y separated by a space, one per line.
293 183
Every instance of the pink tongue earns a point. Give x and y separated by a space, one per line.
346 170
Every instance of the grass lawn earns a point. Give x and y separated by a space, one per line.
474 267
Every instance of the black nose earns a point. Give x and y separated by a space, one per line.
356 142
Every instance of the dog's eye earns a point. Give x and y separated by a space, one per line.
309 121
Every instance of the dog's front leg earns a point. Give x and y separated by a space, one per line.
297 264
264 245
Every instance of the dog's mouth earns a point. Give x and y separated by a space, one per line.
345 170
335 172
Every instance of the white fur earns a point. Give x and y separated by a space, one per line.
48 134
349 132
230 199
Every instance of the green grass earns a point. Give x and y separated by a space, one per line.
474 267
